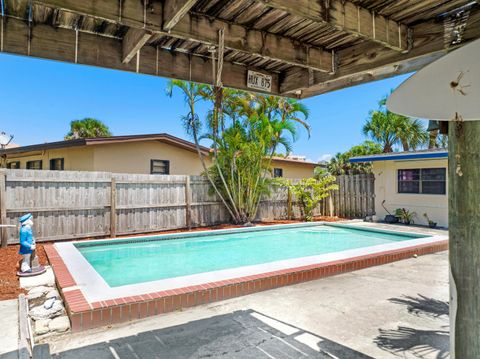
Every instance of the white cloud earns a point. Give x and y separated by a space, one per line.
326 157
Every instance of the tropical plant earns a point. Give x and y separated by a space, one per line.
87 128
390 129
310 191
244 131
405 216
431 223
340 164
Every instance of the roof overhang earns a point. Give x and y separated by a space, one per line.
298 48
401 156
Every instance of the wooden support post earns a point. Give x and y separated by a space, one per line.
464 242
3 208
113 208
188 209
289 204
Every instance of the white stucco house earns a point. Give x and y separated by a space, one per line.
416 181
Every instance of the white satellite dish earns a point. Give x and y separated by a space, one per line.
445 90
5 139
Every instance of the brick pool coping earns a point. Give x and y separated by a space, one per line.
85 315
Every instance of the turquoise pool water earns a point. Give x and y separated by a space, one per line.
137 261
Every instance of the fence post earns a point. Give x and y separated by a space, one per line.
113 207
330 205
3 207
188 209
289 204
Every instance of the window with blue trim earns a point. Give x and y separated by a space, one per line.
422 180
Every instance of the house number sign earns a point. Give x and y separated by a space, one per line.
259 81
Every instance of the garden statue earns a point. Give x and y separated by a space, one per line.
29 265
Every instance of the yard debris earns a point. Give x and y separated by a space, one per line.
49 303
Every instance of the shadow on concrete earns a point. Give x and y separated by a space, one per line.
421 343
242 334
9 355
423 305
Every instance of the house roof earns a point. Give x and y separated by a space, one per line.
395 156
162 137
291 160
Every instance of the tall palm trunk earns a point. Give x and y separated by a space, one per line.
432 139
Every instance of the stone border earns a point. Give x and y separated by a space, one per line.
84 315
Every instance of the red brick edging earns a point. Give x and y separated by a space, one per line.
85 315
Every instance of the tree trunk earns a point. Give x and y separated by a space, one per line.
464 226
432 139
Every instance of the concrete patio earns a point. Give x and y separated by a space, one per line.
390 311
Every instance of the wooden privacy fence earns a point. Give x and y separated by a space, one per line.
69 205
355 197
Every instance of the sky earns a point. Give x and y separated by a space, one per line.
39 98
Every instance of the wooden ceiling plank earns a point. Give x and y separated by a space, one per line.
133 41
195 27
346 16
203 29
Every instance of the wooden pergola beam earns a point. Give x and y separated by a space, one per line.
61 44
133 41
203 29
348 17
364 63
174 11
196 27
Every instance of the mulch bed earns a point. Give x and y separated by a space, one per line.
9 257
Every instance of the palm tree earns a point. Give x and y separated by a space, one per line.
390 129
245 130
87 128
411 133
381 129
193 93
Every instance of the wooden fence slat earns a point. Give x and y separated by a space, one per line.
188 209
73 205
113 207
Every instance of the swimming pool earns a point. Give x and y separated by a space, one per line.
153 258
117 280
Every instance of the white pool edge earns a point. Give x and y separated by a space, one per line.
95 288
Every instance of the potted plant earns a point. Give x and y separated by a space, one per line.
405 216
431 223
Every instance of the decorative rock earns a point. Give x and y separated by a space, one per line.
41 313
40 289
45 279
41 326
35 295
53 294
59 324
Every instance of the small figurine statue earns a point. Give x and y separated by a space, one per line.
30 264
